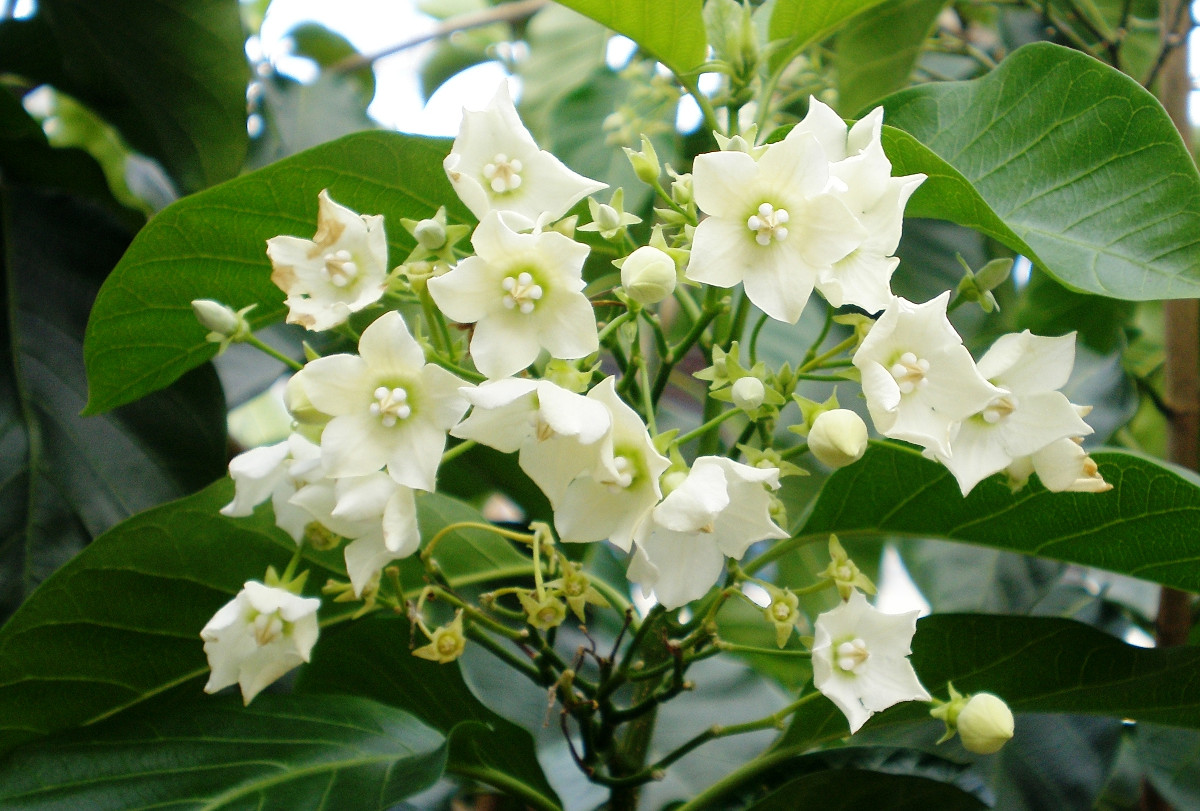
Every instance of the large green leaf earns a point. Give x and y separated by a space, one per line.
1144 527
371 658
281 752
672 31
799 23
1072 163
64 479
169 74
120 623
876 52
142 333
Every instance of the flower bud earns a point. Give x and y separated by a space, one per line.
215 316
748 393
430 234
295 400
985 724
838 437
648 275
645 163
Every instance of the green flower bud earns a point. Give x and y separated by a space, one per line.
648 275
838 438
985 724
645 163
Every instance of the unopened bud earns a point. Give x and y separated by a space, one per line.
985 724
648 275
295 400
838 438
748 393
645 163
215 316
430 234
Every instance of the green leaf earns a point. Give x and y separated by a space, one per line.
64 478
121 622
142 333
1171 758
672 31
371 658
876 52
1144 527
170 75
281 752
1059 157
802 22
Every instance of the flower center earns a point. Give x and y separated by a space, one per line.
625 471
851 655
267 628
781 611
909 372
447 644
340 268
999 409
503 175
768 224
520 292
391 405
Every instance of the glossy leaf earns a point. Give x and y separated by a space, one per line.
876 53
372 658
672 31
142 333
281 752
64 479
1144 527
802 22
177 90
1078 211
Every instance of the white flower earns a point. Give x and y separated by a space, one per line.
495 165
718 511
341 270
860 662
612 500
1063 466
838 438
1028 414
918 378
256 637
376 513
524 293
771 225
558 433
389 407
275 472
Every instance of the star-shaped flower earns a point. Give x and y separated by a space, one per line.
918 378
495 165
275 472
718 511
771 224
256 637
524 293
389 407
341 270
860 662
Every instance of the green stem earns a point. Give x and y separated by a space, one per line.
780 549
819 359
273 352
708 426
735 648
458 450
433 317
611 326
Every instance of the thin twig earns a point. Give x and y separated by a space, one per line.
507 12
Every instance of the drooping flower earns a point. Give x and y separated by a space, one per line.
524 293
611 501
860 659
1028 414
1062 466
275 472
718 511
495 165
771 223
389 407
256 637
341 270
918 378
378 515
558 433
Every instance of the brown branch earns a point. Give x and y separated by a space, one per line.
507 12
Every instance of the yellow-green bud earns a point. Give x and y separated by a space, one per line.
985 724
648 275
430 234
645 163
838 438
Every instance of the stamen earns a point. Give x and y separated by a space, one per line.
768 224
521 293
502 174
391 405
851 655
909 372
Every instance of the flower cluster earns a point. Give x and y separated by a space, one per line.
501 346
